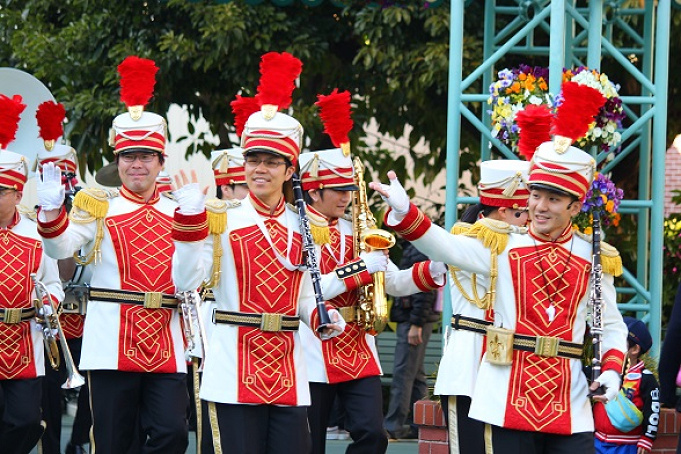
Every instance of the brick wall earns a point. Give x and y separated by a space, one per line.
433 434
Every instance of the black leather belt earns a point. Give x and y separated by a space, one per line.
14 315
540 345
150 300
265 322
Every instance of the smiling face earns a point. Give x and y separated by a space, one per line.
138 171
9 199
551 212
265 176
330 202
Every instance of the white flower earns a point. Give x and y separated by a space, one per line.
596 132
536 100
610 127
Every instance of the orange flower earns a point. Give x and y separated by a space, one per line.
522 76
616 219
515 88
542 84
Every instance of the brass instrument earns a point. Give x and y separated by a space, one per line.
193 324
50 323
372 313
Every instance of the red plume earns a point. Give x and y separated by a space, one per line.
334 110
50 117
242 108
278 74
535 128
580 105
138 77
10 110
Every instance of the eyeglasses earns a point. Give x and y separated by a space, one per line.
129 158
252 161
5 191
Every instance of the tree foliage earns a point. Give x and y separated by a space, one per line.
393 59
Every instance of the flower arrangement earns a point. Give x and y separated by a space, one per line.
603 196
603 132
516 88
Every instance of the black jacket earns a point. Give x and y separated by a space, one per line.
670 357
416 309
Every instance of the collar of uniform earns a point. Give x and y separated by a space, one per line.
264 210
15 220
318 219
562 238
135 198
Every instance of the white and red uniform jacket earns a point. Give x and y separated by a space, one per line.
136 252
458 368
21 342
243 364
353 354
542 291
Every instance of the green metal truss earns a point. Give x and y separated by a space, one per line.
579 36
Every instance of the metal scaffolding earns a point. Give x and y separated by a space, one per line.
579 36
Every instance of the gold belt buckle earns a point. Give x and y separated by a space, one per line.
499 346
547 346
152 300
12 315
271 322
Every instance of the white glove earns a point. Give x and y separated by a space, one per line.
190 198
336 319
437 269
375 261
611 381
49 189
397 197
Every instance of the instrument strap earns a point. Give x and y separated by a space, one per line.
285 261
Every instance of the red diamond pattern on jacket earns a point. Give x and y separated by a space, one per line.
270 373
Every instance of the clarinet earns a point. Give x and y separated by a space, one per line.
310 254
596 303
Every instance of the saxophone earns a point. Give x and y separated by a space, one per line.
372 312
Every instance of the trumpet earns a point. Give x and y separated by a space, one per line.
50 323
192 325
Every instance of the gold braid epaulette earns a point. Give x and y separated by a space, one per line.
319 228
492 233
611 261
487 230
216 215
91 204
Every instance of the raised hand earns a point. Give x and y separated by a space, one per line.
393 194
188 195
49 189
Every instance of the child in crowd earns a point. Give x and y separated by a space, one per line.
628 424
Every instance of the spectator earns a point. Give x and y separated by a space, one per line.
415 316
670 360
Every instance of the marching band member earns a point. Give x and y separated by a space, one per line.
133 347
22 355
530 389
346 366
503 204
254 381
50 117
